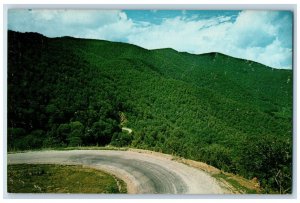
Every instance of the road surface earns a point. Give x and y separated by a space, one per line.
127 129
143 173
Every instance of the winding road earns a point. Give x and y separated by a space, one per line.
144 173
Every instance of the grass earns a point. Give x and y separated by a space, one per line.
236 184
46 178
232 182
107 147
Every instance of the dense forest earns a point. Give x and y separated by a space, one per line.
231 113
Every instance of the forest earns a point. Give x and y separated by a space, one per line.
231 113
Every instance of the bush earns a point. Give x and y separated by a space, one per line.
122 139
217 155
76 133
32 141
270 160
14 134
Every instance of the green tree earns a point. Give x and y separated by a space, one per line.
63 132
268 159
75 136
103 131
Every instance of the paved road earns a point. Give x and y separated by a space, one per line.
127 129
143 173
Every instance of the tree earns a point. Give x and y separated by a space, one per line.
76 133
103 131
268 159
63 132
122 139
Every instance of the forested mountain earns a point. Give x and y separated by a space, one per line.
231 113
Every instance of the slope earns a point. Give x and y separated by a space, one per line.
231 113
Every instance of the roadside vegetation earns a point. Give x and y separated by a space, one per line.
33 178
230 113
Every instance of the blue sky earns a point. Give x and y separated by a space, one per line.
262 36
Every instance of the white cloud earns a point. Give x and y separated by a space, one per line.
254 35
63 22
114 31
180 34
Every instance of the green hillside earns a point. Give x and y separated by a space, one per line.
231 113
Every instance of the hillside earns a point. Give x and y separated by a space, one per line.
230 113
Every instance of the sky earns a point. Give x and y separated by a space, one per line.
261 36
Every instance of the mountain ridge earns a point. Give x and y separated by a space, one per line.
155 49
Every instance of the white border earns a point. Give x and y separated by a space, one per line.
158 6
154 4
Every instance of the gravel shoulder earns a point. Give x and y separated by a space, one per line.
144 173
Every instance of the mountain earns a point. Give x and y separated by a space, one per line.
231 113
